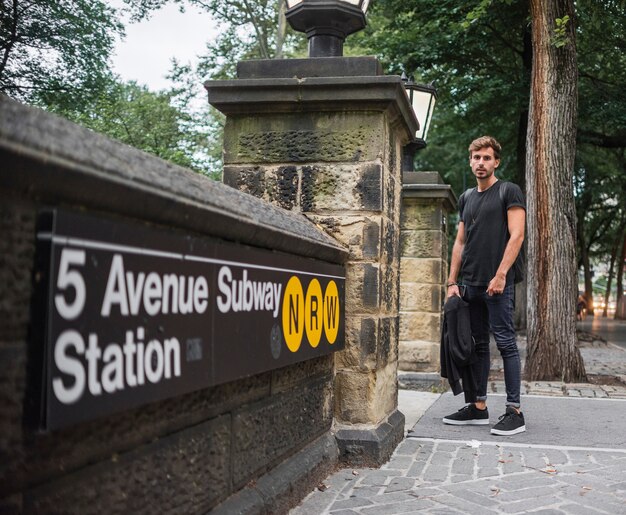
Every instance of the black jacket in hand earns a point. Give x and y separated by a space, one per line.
457 348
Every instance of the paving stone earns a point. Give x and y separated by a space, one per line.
436 473
461 478
367 492
577 509
529 481
463 465
617 487
379 478
391 509
399 484
488 472
352 502
600 501
527 504
417 469
526 493
398 463
474 497
463 505
408 447
441 458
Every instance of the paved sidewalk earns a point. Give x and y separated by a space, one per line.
571 460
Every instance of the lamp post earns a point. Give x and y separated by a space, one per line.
423 98
326 23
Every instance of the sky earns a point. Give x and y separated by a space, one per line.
145 54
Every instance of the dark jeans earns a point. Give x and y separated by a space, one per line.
495 313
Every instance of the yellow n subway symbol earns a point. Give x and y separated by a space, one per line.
293 314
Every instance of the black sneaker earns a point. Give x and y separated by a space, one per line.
510 423
468 415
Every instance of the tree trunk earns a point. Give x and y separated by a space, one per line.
520 178
281 30
620 305
551 146
609 280
584 258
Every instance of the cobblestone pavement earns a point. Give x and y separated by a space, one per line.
432 476
448 476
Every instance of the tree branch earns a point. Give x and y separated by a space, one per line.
12 40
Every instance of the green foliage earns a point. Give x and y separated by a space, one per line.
55 47
559 34
481 71
55 54
143 119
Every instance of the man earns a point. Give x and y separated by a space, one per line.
488 242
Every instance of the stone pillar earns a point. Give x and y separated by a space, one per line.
426 202
324 136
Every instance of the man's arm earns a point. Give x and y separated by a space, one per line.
516 217
455 262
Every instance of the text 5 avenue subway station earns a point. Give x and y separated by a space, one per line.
135 314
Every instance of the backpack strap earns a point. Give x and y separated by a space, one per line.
503 188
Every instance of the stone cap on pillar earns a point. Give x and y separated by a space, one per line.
264 88
309 67
428 185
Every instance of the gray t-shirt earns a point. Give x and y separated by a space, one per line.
486 231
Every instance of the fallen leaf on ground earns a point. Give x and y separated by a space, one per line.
321 487
355 473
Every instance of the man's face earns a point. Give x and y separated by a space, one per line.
483 163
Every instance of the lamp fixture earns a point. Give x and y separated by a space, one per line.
326 23
422 98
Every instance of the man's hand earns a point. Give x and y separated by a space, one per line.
496 285
452 291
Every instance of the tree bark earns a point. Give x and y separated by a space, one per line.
609 281
620 307
551 146
584 258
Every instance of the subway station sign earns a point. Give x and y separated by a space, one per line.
136 314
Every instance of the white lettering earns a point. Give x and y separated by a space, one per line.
153 361
71 279
134 291
185 303
70 366
93 354
172 355
200 295
152 291
170 289
246 295
277 289
224 277
156 294
111 368
113 371
116 288
129 352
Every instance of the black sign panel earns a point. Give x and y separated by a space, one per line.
135 314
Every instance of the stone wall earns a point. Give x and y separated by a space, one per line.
265 438
330 147
426 202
